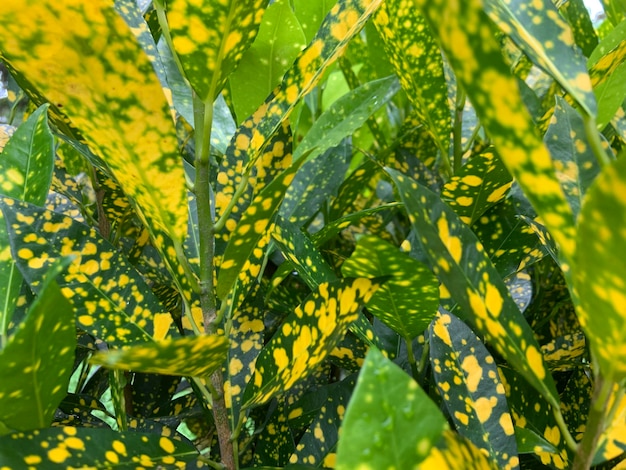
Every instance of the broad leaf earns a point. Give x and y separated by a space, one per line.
210 39
406 302
467 38
111 299
195 356
113 98
98 448
467 378
306 337
400 420
542 33
36 363
600 273
462 265
453 452
262 66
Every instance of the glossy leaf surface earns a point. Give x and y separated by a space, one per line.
402 423
306 337
462 265
406 302
467 378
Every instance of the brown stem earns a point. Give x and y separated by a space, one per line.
222 423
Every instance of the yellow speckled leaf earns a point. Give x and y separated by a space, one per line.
600 273
417 60
194 356
462 265
96 75
306 337
453 452
211 37
469 42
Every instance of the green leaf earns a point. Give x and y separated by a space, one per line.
454 452
467 379
250 230
111 299
480 184
574 161
114 98
36 363
97 448
408 301
278 43
416 58
543 34
306 337
584 33
195 356
400 421
210 39
26 165
460 262
346 115
311 13
600 275
467 39
608 75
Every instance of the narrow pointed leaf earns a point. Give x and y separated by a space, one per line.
346 115
467 38
462 265
113 98
111 299
480 184
416 58
194 356
36 363
96 448
408 301
467 378
210 39
401 421
306 337
454 452
26 165
600 274
543 34
608 75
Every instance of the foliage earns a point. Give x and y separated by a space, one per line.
312 234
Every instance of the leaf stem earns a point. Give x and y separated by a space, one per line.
219 225
593 136
595 423
411 355
567 435
159 6
457 142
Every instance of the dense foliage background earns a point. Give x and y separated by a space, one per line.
357 235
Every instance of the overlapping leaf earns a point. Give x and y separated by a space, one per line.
111 299
210 39
454 452
100 448
462 265
402 423
582 27
408 301
467 378
26 165
113 98
36 362
600 273
306 337
543 34
195 356
480 184
467 38
416 58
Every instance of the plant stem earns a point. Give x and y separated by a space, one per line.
560 421
457 143
412 361
424 359
203 118
595 423
593 136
